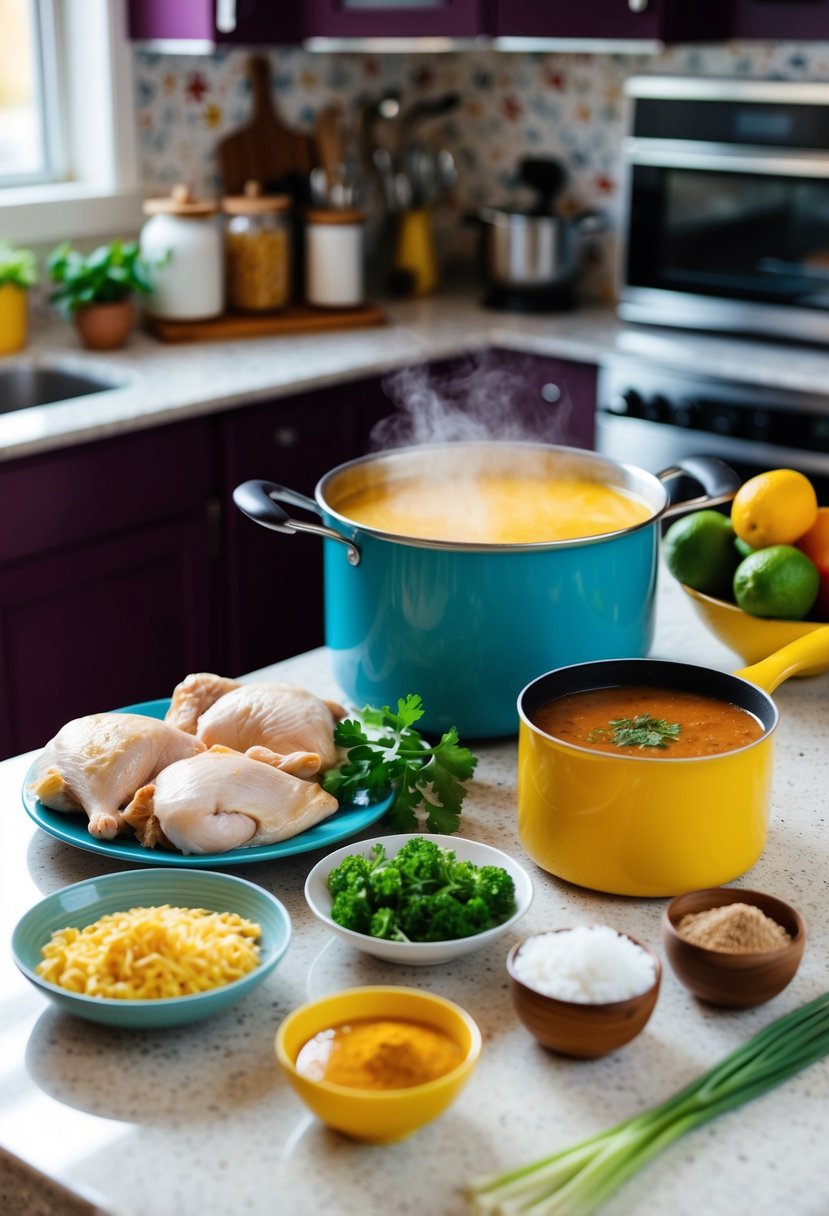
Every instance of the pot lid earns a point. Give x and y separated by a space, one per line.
253 202
180 201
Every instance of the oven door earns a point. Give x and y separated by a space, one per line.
729 241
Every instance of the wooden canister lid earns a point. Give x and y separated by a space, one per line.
254 202
180 201
333 216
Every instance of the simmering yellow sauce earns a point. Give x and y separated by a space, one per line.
385 1053
493 507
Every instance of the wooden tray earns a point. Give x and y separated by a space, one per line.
296 320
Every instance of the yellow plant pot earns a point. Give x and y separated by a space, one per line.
13 318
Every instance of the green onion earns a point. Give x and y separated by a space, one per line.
576 1181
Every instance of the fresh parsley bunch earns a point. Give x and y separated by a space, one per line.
384 752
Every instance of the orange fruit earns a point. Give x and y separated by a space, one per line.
815 544
774 508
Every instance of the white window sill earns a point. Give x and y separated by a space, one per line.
67 211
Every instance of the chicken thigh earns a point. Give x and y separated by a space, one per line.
276 716
193 696
95 764
222 800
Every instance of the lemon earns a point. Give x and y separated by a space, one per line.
774 508
699 551
780 581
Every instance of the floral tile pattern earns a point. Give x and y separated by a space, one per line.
567 106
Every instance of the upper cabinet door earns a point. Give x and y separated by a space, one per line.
788 19
619 20
212 22
393 18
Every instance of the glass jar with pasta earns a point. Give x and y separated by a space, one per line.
257 250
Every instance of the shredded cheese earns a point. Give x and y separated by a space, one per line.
152 953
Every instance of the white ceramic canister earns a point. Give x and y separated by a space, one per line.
334 258
182 245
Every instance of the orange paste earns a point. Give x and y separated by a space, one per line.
378 1054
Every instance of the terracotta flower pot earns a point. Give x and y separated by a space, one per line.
104 326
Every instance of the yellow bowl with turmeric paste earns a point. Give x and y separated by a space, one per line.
383 1115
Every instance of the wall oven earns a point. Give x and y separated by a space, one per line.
727 206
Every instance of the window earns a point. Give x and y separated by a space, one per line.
68 165
28 93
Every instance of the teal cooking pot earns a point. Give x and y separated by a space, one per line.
468 625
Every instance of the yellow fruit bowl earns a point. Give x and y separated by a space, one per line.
751 637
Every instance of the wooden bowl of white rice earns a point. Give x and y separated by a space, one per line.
583 991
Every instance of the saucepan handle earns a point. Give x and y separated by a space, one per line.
811 650
719 481
259 500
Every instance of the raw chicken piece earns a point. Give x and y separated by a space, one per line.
276 716
221 800
95 764
193 696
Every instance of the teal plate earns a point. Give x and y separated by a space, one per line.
348 821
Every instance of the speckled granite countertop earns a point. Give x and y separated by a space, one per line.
199 1121
155 383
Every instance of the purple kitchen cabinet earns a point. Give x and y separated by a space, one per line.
659 20
783 19
249 22
393 18
105 579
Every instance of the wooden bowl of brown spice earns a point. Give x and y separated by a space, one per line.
733 947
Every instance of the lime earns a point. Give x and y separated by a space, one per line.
699 551
778 582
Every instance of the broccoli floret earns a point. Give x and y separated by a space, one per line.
351 874
477 916
497 889
435 918
422 863
384 924
352 910
385 885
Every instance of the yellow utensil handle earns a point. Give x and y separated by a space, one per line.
810 650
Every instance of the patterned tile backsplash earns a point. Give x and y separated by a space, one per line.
567 106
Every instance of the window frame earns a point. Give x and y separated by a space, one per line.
96 190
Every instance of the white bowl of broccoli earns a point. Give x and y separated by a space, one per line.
418 900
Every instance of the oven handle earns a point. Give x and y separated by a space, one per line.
685 154
719 481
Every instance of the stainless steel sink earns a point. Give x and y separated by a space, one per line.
22 387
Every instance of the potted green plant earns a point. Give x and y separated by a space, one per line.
96 290
18 272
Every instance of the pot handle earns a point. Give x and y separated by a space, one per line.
719 481
259 501
811 650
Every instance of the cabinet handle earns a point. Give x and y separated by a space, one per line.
551 393
637 6
225 16
286 437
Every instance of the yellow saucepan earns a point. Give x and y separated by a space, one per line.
630 824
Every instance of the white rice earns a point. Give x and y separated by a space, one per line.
591 964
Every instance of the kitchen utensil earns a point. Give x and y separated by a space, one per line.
735 981
72 828
418 954
424 111
82 903
379 1116
266 150
576 1028
751 637
465 625
414 253
181 243
641 825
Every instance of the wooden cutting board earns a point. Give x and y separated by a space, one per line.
266 150
296 320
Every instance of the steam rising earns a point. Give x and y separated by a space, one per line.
483 396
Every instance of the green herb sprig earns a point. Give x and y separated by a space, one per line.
18 267
384 752
641 731
109 274
576 1181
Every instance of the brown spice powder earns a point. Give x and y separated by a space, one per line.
733 929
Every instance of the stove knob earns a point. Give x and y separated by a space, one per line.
628 403
684 413
655 408
724 420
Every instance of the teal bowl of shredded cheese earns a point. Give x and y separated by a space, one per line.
151 948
